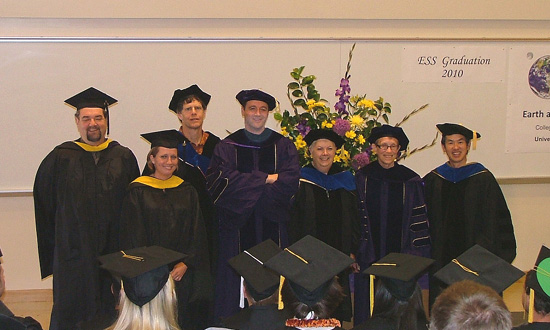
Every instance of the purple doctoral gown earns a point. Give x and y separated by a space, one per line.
393 219
249 210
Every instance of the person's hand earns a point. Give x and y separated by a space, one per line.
271 178
2 281
354 267
178 271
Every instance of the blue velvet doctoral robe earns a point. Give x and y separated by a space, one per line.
325 207
249 210
393 219
466 207
77 200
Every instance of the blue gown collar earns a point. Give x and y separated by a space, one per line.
458 174
331 181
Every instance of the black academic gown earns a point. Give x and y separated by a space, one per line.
466 207
249 211
533 326
77 199
166 213
325 207
266 317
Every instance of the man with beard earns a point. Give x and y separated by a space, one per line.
78 193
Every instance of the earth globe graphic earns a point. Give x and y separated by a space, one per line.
539 77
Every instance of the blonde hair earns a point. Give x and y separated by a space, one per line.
158 314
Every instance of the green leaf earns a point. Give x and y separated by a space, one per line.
308 80
293 85
300 70
297 93
277 116
295 75
300 103
385 118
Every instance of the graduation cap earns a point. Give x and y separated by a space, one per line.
328 134
480 265
256 94
399 273
92 98
389 131
261 281
539 282
309 265
144 271
168 138
450 129
181 94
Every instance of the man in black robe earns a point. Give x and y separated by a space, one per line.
465 205
78 193
253 174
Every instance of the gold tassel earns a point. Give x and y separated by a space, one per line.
531 305
371 294
474 144
280 304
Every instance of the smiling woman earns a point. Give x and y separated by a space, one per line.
162 209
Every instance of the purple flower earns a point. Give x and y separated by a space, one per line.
361 160
341 126
303 128
340 107
344 84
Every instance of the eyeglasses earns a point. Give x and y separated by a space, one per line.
386 147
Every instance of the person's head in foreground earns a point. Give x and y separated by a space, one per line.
468 305
456 141
147 299
311 292
398 297
536 296
261 284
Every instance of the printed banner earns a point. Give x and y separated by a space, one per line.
453 64
528 115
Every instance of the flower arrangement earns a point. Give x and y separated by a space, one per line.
353 119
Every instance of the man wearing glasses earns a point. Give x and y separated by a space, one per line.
465 205
391 208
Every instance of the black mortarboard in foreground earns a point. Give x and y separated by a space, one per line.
261 281
541 281
399 273
309 265
256 94
450 129
168 138
144 271
180 94
90 98
480 265
328 134
389 131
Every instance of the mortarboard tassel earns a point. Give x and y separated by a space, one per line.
280 304
371 294
531 305
474 144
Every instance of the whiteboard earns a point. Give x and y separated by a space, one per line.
37 76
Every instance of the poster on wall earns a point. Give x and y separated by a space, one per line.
528 113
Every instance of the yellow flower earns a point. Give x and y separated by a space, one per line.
337 159
326 124
357 122
310 105
300 143
319 104
361 139
365 103
351 135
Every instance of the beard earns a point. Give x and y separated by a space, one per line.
94 136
